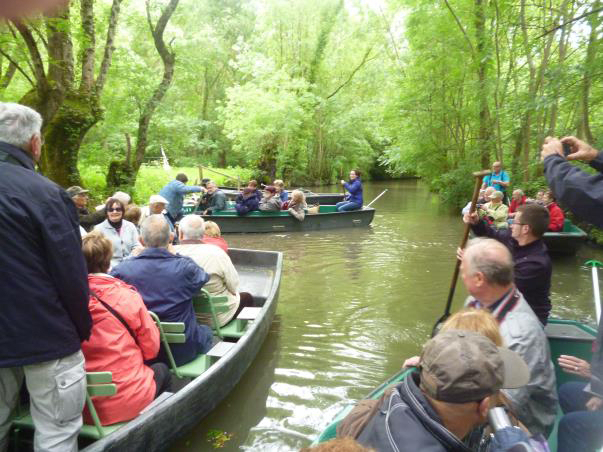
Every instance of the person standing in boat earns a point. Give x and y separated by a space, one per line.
88 220
124 336
174 193
43 290
167 283
499 179
353 200
487 272
532 267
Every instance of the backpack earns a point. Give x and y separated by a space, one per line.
352 425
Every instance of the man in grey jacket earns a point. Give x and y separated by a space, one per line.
487 272
270 202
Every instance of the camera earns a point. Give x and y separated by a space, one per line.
567 149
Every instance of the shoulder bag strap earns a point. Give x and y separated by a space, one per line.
116 314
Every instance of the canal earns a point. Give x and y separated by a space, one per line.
353 305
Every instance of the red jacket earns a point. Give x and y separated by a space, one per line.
112 348
218 241
557 217
516 204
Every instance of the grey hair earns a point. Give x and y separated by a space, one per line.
211 182
492 259
18 124
123 197
155 231
192 227
518 190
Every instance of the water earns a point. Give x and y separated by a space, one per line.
353 305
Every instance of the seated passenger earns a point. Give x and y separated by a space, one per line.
122 233
280 190
270 202
213 236
495 212
354 200
556 215
253 184
133 214
123 336
88 220
215 199
223 277
298 205
518 199
167 283
487 272
434 408
246 202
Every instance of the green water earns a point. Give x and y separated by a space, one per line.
353 305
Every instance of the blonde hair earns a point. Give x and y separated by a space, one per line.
98 251
279 184
212 229
476 320
298 197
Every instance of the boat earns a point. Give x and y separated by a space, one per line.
281 221
158 426
311 197
566 337
567 241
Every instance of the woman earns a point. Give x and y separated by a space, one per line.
280 190
298 205
123 336
495 211
213 236
353 200
122 233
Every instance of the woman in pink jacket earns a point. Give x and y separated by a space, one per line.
124 336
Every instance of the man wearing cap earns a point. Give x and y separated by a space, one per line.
270 202
434 408
532 267
88 220
495 212
487 272
214 200
157 206
174 193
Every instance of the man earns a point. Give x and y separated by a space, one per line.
495 211
174 193
435 408
88 220
531 261
498 179
487 272
214 200
157 206
167 283
43 290
556 215
224 279
246 202
518 198
270 202
580 192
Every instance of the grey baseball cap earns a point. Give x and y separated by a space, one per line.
76 190
463 366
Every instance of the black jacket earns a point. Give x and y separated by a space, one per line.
89 220
43 279
407 422
532 268
576 190
244 206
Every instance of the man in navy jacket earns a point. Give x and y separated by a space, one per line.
167 283
43 289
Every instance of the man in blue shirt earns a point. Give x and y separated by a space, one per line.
498 179
174 193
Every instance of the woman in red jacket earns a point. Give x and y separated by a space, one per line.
557 217
124 336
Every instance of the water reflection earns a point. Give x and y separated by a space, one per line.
353 304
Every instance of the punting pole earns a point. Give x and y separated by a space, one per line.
380 195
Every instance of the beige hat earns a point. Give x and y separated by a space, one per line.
154 199
462 366
496 195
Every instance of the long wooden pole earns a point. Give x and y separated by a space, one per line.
479 176
201 168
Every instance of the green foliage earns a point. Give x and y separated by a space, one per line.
218 438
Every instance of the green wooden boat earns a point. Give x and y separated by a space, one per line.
282 221
566 337
565 242
311 197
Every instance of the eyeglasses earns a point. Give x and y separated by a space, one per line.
114 209
515 222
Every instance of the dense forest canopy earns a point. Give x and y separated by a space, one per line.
304 90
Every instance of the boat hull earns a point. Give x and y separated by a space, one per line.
563 243
311 198
283 222
157 429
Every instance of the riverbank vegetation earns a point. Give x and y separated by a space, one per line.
304 90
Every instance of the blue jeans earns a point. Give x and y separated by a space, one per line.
579 430
345 206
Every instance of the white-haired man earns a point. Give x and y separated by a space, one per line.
487 272
43 290
224 279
